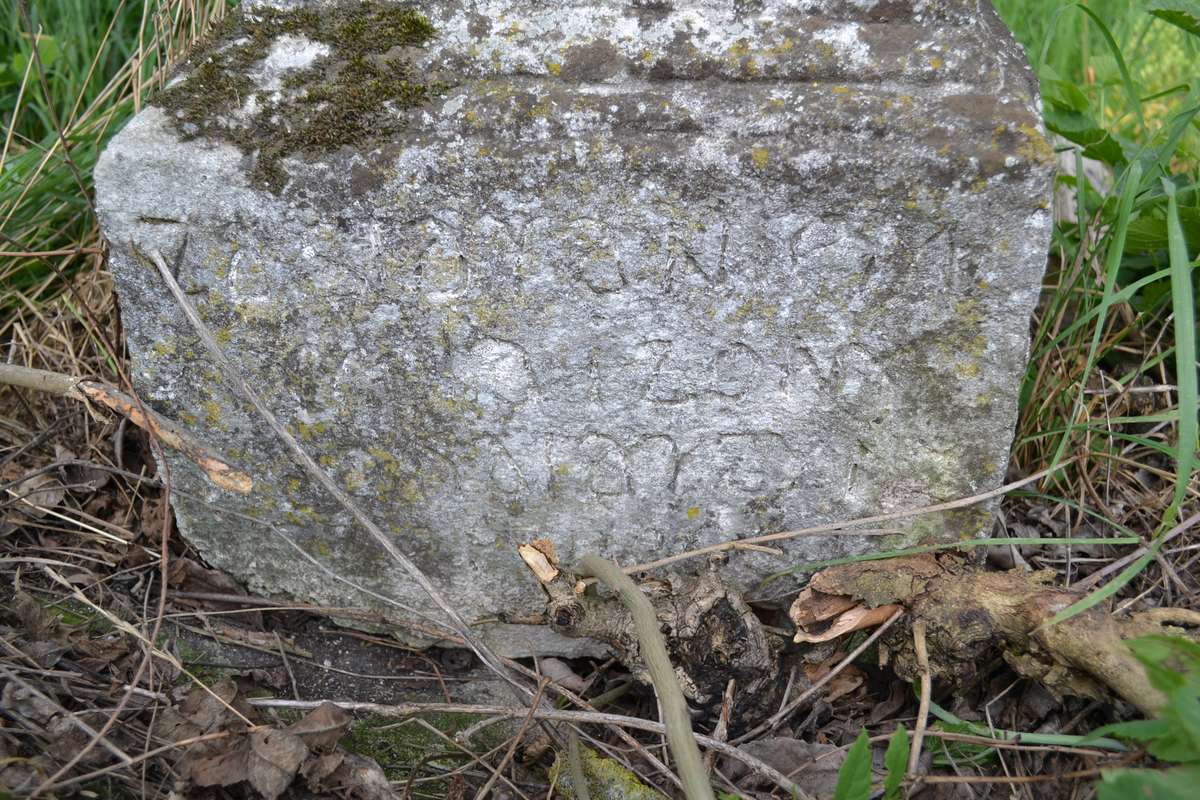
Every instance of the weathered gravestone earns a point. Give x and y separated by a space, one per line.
635 276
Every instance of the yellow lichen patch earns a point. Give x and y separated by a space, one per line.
840 90
982 400
761 157
936 62
1034 147
327 461
223 335
966 370
968 311
756 308
774 105
693 512
293 485
783 47
410 492
212 413
309 432
187 418
164 348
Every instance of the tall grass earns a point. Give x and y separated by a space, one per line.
71 73
1113 376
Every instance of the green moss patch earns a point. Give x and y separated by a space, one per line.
348 97
401 748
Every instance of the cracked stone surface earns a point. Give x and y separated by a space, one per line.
634 276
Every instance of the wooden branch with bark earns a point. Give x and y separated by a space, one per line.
969 613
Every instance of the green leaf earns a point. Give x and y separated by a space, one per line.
854 778
1082 129
896 761
1146 784
1148 233
48 52
1183 14
1065 94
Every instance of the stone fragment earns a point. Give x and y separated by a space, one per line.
633 276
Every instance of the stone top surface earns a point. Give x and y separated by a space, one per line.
637 277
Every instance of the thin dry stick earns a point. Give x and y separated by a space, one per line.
721 731
143 757
107 744
126 628
170 433
680 736
1124 561
594 705
234 376
512 747
778 717
914 754
756 765
475 758
845 527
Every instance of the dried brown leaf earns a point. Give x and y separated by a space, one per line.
360 778
38 494
855 619
323 727
811 607
225 768
273 759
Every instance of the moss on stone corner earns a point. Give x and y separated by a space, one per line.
346 98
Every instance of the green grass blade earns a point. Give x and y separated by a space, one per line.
1116 247
1109 589
1135 100
1184 309
1050 739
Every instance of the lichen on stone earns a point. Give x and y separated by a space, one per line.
351 95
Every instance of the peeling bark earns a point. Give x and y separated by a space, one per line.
711 634
970 614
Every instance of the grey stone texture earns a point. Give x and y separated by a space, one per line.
634 276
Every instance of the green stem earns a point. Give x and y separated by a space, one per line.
680 738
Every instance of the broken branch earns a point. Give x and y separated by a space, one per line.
170 433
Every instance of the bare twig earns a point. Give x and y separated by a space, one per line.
914 753
1126 560
170 433
107 744
721 731
680 737
845 527
756 765
512 747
